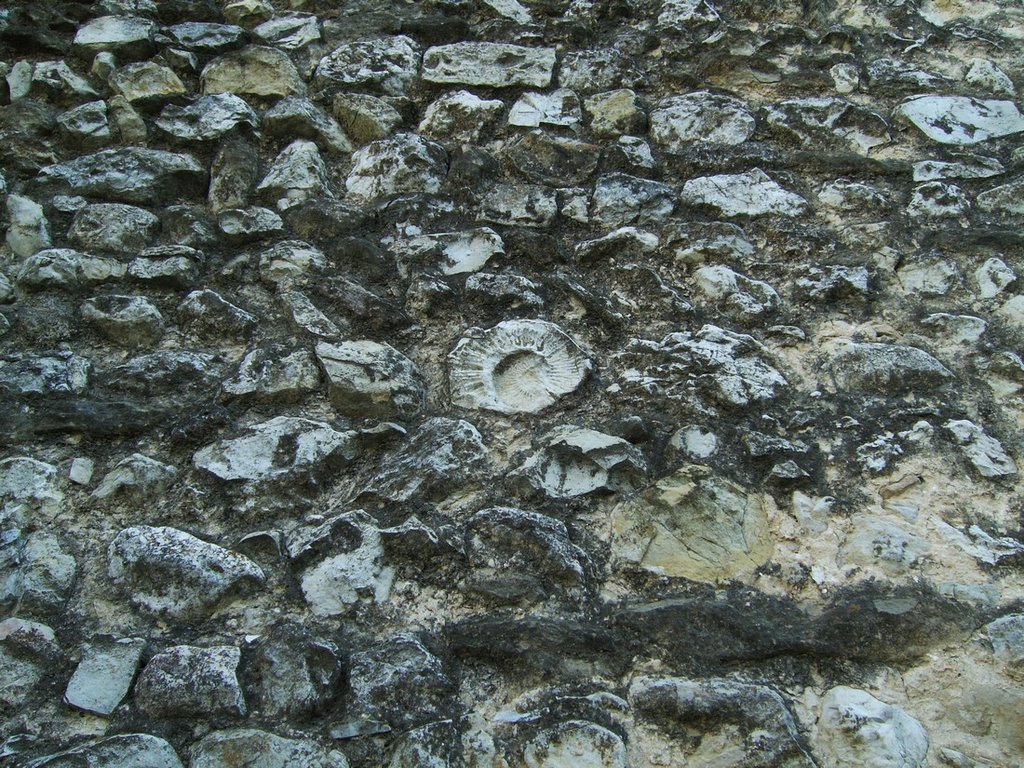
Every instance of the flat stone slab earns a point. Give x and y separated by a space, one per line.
493 64
961 120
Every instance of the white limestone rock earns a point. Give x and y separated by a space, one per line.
388 64
695 524
130 36
518 366
961 120
459 116
366 378
128 320
738 293
450 253
620 199
574 461
104 675
984 452
173 574
297 174
207 118
680 122
498 65
576 744
856 730
28 231
752 193
884 368
341 563
261 749
987 75
129 750
523 205
1007 637
137 476
966 166
829 122
280 448
405 163
728 367
1006 200
289 31
146 84
994 277
560 108
255 70
271 374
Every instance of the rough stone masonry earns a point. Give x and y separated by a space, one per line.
511 383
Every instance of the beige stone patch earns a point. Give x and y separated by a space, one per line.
695 524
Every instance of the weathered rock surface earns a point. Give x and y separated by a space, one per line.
369 379
174 574
184 680
489 64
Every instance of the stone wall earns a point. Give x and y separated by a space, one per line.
511 383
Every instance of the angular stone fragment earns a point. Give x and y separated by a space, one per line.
297 174
104 675
28 231
964 167
283 447
272 375
290 261
524 205
451 253
441 457
560 108
85 126
367 118
516 555
289 31
137 475
146 83
620 199
129 320
984 452
165 372
129 750
994 276
1004 200
575 461
405 163
728 367
44 375
459 116
297 673
185 681
883 544
295 117
679 122
261 749
209 314
553 160
253 71
341 563
243 225
885 368
856 729
130 36
207 118
36 572
113 228
388 64
752 193
613 113
206 37
961 120
388 676
233 176
498 65
828 123
936 199
576 742
367 379
736 292
518 366
173 574
129 174
1007 637
694 524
